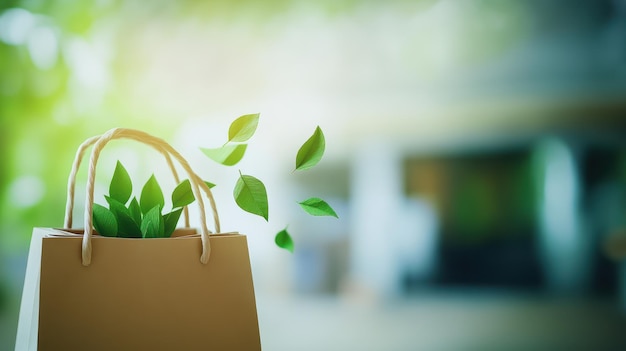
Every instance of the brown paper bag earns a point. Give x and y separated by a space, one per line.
87 292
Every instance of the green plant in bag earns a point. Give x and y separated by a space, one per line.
143 218
250 193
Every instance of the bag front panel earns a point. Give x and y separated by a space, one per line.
141 294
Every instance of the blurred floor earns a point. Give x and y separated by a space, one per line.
442 321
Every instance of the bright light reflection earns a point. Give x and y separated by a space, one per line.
15 26
43 47
26 191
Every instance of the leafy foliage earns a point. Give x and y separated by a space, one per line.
143 218
127 226
170 221
134 210
153 225
182 195
151 195
121 186
104 221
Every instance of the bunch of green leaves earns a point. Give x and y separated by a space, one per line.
143 218
250 193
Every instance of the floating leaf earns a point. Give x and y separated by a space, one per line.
151 195
121 186
227 155
251 196
182 195
135 211
311 151
152 225
126 225
243 128
170 221
104 221
284 241
318 207
209 184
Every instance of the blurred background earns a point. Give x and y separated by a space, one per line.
476 155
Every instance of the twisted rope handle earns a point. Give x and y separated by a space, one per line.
159 144
71 182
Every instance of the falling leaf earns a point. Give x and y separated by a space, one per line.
311 151
317 207
104 221
121 186
243 128
284 241
251 196
227 155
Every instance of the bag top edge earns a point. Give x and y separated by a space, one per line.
183 233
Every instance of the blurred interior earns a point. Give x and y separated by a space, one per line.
476 155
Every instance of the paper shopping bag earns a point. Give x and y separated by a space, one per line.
88 292
140 294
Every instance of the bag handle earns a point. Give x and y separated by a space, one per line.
159 144
71 183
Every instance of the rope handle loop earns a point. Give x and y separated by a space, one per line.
160 145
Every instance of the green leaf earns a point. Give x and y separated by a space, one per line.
311 151
151 195
243 128
209 184
152 225
126 225
227 155
104 221
170 221
251 196
284 241
121 186
148 229
317 207
135 211
182 195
